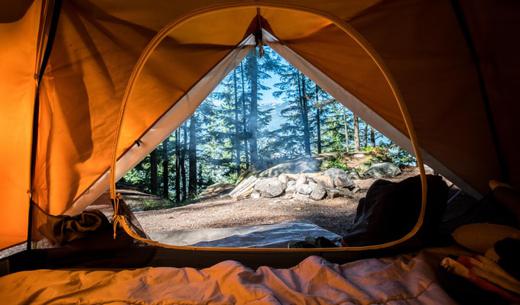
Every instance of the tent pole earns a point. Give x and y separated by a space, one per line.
56 8
464 26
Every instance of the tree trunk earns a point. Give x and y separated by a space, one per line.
318 120
192 158
366 134
166 165
372 137
304 114
253 112
347 139
356 133
153 172
236 141
177 167
244 115
183 162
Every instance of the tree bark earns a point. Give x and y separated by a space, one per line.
153 172
347 139
244 115
183 163
356 133
318 120
177 167
366 134
192 158
372 137
165 165
253 112
304 114
236 141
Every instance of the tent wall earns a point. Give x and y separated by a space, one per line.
89 66
493 28
19 28
433 68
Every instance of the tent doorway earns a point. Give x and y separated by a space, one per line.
254 165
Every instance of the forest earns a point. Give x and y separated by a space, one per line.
263 113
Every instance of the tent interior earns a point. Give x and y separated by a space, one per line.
89 88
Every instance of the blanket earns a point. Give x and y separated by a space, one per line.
399 280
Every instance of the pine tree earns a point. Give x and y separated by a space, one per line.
165 169
153 172
356 133
244 114
294 133
192 158
318 118
236 110
304 112
372 137
177 166
253 107
182 161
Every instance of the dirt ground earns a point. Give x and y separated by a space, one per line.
335 215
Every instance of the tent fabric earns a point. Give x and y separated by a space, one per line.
19 28
491 25
98 42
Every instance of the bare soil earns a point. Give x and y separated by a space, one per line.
335 215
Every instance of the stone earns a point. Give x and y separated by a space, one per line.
318 192
303 189
353 175
382 170
302 179
339 177
291 187
301 165
255 195
269 187
292 176
283 178
324 180
338 192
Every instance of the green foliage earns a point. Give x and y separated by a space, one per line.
390 153
378 154
337 162
156 204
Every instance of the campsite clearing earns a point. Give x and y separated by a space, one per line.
335 215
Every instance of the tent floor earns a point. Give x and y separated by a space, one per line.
143 256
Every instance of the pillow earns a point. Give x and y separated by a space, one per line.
479 237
